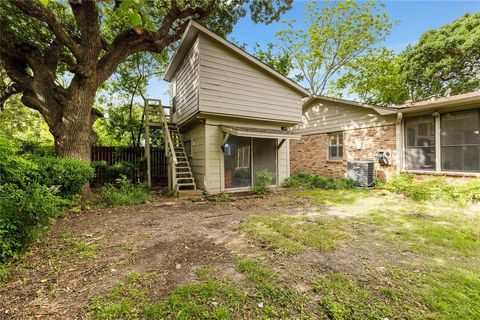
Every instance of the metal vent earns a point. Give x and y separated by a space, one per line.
361 172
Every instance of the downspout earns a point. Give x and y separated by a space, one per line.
399 142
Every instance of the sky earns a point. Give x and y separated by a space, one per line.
415 18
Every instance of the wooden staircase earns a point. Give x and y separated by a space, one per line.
183 173
180 176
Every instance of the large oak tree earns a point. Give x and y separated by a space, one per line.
83 42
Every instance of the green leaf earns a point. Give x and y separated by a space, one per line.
135 18
44 2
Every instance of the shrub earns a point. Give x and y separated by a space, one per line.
112 173
25 215
263 181
311 181
31 191
124 192
433 188
67 174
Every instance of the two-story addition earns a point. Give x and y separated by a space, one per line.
232 111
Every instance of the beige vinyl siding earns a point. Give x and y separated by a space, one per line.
196 136
214 140
230 84
322 117
215 159
283 162
185 82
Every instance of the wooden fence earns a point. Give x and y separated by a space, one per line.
131 162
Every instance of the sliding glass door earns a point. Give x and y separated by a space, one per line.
244 157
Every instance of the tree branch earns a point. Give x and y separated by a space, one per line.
46 16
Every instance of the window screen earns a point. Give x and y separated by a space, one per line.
460 132
420 143
335 146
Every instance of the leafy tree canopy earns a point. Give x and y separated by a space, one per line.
84 41
375 78
331 37
448 57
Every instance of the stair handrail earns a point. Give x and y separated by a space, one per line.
168 137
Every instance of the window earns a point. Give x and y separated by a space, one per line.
420 143
335 146
460 143
188 148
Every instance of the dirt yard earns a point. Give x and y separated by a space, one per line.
305 254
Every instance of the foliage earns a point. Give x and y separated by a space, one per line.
263 181
111 173
434 189
277 59
68 175
58 54
25 215
169 193
123 123
375 78
33 190
24 125
124 192
448 57
311 181
332 36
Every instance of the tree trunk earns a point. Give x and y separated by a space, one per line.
74 133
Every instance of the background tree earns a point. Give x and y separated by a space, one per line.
86 40
448 57
124 95
331 37
374 78
277 58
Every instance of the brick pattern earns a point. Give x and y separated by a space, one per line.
310 154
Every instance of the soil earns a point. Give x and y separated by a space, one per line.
170 237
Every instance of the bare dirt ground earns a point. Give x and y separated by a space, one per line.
89 252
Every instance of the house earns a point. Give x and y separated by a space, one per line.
439 136
232 113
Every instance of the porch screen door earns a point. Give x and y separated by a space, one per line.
265 157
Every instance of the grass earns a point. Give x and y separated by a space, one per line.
294 234
440 280
260 296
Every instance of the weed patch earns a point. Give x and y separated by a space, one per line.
293 234
208 298
124 193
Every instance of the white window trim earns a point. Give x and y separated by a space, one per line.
338 145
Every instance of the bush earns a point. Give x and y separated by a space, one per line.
67 174
433 189
311 181
124 192
112 173
263 181
25 215
31 191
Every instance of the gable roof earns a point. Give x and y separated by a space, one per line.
380 110
189 37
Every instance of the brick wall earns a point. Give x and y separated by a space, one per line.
310 154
